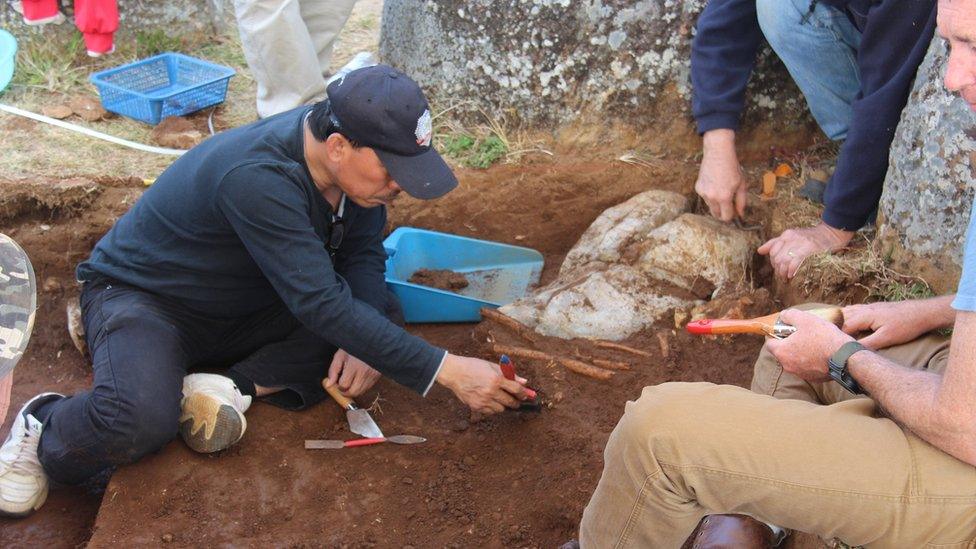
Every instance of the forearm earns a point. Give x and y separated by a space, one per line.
935 313
921 401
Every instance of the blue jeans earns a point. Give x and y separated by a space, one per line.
142 345
820 51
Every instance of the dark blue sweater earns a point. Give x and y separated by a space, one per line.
895 37
237 225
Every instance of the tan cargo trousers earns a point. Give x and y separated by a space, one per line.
805 456
288 47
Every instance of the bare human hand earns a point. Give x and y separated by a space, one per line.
788 251
805 353
481 385
721 183
891 323
353 376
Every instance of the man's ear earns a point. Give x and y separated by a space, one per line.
336 146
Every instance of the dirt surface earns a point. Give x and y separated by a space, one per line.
442 279
57 223
518 480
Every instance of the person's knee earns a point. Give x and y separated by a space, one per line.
130 428
661 420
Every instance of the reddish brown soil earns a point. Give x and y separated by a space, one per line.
518 480
184 132
442 279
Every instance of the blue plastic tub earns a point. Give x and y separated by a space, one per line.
497 274
8 58
168 84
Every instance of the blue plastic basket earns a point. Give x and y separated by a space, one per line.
169 84
497 274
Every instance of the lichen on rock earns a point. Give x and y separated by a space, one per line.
931 181
551 61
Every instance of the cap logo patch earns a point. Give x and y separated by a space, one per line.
425 130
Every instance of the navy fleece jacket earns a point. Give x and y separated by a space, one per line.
237 225
895 35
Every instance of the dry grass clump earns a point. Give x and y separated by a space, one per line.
863 272
494 139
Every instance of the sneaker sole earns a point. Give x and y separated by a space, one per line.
29 512
207 425
76 328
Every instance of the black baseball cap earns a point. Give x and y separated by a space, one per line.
384 109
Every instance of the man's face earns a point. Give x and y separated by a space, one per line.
957 24
361 175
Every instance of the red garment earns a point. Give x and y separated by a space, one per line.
39 10
96 19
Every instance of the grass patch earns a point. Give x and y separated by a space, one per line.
51 65
365 22
901 290
481 145
474 152
863 269
154 42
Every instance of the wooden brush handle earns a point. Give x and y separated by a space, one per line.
334 392
728 326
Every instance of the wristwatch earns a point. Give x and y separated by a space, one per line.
837 367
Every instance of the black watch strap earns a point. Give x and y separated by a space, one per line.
837 367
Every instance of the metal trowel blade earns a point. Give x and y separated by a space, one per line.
363 425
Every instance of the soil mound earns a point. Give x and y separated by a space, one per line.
442 279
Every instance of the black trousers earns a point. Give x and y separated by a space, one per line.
142 346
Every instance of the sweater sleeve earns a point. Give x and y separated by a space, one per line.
723 55
269 212
893 44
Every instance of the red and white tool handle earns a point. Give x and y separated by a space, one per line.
362 442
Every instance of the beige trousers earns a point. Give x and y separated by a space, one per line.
288 47
805 456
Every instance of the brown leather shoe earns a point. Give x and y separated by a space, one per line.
732 532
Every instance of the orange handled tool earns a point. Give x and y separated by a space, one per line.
768 325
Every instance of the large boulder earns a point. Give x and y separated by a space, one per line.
931 178
638 262
552 61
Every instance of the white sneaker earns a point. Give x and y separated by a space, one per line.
93 53
23 483
212 416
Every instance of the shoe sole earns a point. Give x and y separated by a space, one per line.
29 512
76 328
208 425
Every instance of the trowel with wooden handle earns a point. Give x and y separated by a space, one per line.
768 325
359 420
